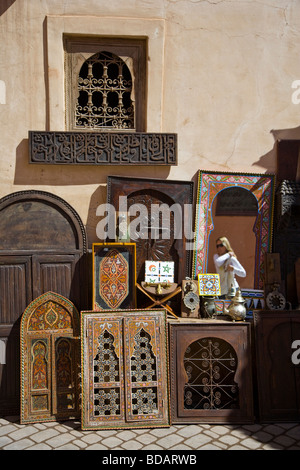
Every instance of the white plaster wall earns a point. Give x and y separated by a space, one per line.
224 83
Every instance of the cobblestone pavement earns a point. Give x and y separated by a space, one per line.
69 436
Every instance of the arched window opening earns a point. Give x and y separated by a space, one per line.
105 86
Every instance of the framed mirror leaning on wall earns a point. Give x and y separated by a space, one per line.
238 206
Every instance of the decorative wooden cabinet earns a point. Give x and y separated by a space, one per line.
278 377
211 371
50 360
124 369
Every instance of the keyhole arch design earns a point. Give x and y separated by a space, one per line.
210 364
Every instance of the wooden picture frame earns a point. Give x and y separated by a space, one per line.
114 276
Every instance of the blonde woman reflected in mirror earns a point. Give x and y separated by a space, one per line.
227 266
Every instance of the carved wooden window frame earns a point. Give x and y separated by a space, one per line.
132 51
46 322
112 401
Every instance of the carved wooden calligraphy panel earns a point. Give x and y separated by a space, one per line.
124 369
102 148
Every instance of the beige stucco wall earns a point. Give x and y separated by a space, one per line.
220 75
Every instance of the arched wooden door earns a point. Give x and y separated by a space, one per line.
42 243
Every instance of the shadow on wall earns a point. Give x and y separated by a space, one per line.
28 174
269 159
4 5
61 175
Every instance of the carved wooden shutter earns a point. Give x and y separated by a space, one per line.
124 369
49 360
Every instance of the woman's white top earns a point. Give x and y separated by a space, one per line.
227 278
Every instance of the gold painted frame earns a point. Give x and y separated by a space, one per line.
103 297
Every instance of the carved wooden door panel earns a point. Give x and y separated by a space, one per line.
16 293
167 241
50 360
278 377
56 273
124 369
210 368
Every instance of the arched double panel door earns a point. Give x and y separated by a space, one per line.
42 243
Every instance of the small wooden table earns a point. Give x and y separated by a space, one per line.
159 299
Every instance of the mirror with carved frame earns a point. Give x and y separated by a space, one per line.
240 207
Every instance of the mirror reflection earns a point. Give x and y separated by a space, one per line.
234 213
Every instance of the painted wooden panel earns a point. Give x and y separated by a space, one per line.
50 360
124 369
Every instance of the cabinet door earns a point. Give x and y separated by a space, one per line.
278 377
145 369
49 378
124 369
56 273
210 367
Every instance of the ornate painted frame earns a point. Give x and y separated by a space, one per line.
210 183
113 395
125 255
49 360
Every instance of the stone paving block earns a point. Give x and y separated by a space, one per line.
253 428
273 429
111 442
91 438
189 431
69 446
153 447
146 439
61 428
251 443
229 439
168 441
44 435
210 447
59 440
285 441
241 433
4 440
263 436
19 445
132 445
126 435
238 447
294 433
39 446
161 432
196 442
6 429
220 430
272 446
105 433
96 447
79 443
25 431
180 446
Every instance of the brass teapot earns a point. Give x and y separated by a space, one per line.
237 309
